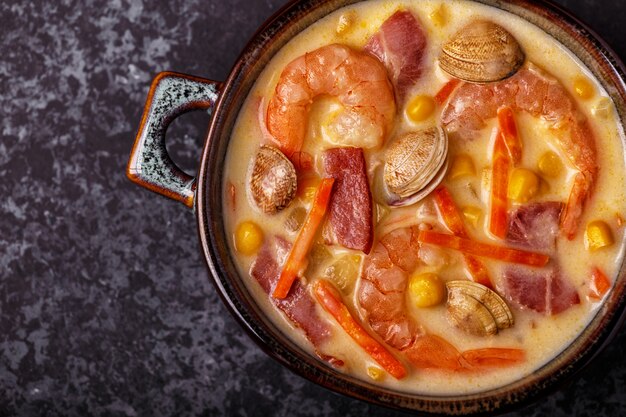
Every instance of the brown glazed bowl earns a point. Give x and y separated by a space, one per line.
150 166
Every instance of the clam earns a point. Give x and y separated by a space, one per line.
273 181
476 309
415 163
481 52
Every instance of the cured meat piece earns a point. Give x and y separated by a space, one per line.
535 226
400 44
544 291
350 210
299 305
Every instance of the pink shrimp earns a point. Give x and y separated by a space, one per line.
358 80
381 295
533 91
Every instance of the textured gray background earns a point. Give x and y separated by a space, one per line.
105 303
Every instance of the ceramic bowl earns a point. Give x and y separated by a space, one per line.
150 166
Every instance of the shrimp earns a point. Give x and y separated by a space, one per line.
356 79
381 295
533 91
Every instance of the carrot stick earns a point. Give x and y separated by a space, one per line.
332 303
296 259
493 357
599 285
449 211
446 90
499 188
508 127
487 250
453 220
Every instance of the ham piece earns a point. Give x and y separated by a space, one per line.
535 226
400 44
298 306
542 290
350 209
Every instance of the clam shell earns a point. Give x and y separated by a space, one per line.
476 309
481 52
414 163
272 180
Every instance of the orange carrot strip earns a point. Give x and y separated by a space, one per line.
499 188
478 271
332 303
453 220
494 357
599 285
446 90
296 260
449 211
487 250
508 127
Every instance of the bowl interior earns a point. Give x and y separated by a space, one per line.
277 31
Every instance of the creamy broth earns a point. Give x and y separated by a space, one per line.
540 336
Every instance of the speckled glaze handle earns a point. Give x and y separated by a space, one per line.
150 165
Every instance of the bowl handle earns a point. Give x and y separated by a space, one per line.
149 165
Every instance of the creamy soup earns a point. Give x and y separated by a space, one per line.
378 109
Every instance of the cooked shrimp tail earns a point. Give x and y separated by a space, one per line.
356 79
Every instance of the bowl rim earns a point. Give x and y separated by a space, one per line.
208 209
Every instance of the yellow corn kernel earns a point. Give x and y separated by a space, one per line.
426 289
248 238
420 108
462 165
345 22
523 185
472 214
375 373
439 16
550 165
598 235
583 88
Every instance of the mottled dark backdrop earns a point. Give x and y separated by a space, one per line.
105 304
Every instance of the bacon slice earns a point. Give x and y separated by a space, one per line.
400 44
350 208
298 306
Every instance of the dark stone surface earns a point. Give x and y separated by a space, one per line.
105 303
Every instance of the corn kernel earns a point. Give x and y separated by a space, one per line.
472 214
598 235
439 16
523 185
345 22
420 108
248 238
426 289
375 373
583 88
550 165
462 165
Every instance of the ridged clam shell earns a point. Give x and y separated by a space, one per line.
476 309
415 161
273 181
481 52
